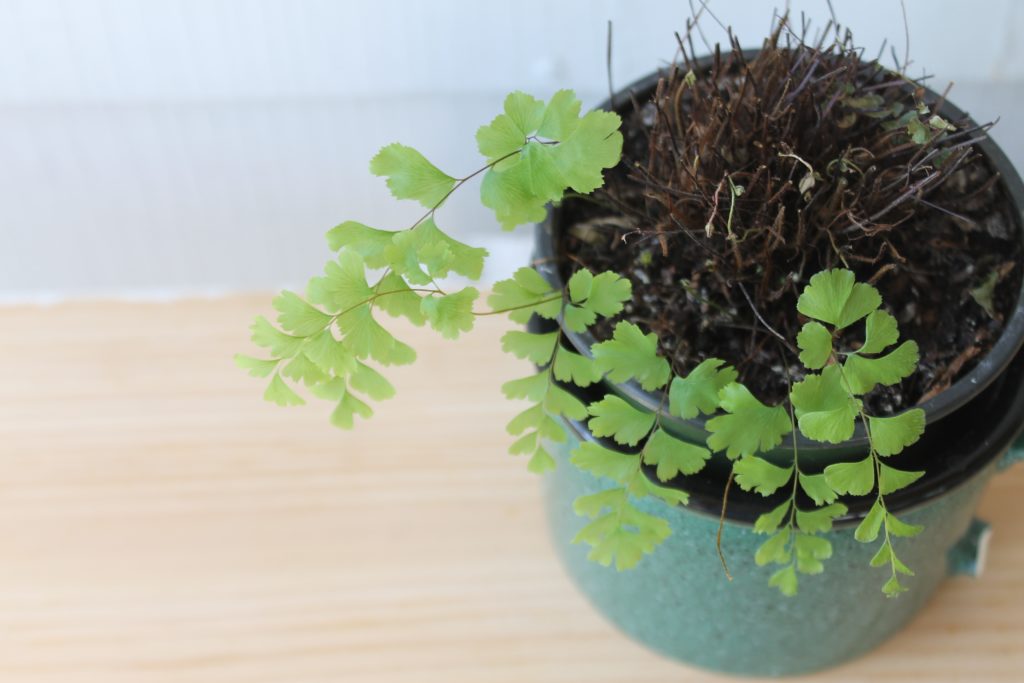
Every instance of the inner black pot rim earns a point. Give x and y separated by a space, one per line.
936 408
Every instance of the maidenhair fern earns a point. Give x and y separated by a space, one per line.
331 342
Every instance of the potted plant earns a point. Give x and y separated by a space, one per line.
775 316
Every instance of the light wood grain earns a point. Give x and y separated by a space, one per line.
159 522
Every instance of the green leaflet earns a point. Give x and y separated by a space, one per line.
450 314
893 587
614 417
561 116
579 285
331 390
330 355
983 294
540 462
370 382
604 462
365 337
785 580
528 173
881 332
759 475
595 144
536 348
608 293
532 388
891 479
630 354
370 243
578 318
672 456
748 426
854 478
590 297
281 345
867 530
669 495
819 520
302 369
815 342
558 401
410 176
863 374
257 367
890 435
810 551
280 393
343 286
902 529
825 410
885 555
832 296
397 300
817 488
698 391
347 408
524 445
532 417
775 549
507 133
769 522
544 179
299 317
594 504
524 294
572 367
509 195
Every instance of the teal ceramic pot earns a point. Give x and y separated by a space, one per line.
679 600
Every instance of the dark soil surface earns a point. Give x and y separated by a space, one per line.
706 263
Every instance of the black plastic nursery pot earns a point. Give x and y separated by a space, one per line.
679 601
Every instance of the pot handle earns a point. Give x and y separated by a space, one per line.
1014 454
967 556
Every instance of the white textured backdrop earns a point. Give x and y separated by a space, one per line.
207 145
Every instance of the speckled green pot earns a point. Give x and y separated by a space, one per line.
679 602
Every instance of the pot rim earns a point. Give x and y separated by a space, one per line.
961 392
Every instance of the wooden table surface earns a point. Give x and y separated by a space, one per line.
160 522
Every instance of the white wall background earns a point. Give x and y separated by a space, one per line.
206 145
